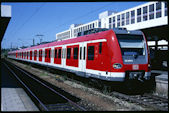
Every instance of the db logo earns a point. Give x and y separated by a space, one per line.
135 67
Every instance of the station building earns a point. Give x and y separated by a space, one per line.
148 15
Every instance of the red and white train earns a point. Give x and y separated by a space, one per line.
112 55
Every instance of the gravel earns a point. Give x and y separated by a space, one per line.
91 98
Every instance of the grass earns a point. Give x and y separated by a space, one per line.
43 74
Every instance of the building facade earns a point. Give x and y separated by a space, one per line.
144 16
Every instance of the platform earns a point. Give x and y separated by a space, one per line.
13 97
161 75
161 79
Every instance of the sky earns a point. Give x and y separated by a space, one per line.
49 18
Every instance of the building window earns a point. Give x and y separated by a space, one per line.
127 18
75 56
145 13
118 20
99 24
96 24
90 26
109 26
158 10
122 20
93 25
139 15
166 9
90 52
114 22
68 53
133 17
151 11
109 20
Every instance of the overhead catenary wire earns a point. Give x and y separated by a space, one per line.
66 23
78 18
28 19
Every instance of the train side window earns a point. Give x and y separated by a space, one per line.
84 53
68 53
55 53
80 53
27 54
90 52
45 53
49 53
39 53
75 53
59 54
100 47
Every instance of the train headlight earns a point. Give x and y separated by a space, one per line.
117 66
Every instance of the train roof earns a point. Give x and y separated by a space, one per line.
99 35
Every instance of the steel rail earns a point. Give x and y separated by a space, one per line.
140 100
45 108
81 108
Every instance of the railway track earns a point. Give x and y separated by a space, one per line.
156 102
149 100
45 96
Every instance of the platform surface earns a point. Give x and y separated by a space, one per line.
13 97
160 75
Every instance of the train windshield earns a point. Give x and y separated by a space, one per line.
131 45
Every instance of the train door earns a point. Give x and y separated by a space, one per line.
47 55
82 57
64 55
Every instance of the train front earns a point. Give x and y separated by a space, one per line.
133 56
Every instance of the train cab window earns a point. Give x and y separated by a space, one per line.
100 47
90 52
55 53
75 55
68 53
59 54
